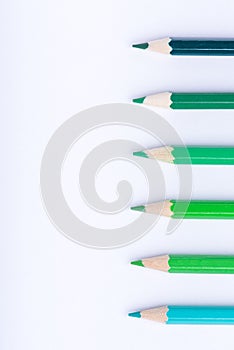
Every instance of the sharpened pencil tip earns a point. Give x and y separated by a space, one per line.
137 262
139 100
140 154
139 208
135 314
142 46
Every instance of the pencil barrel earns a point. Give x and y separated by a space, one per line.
200 315
203 155
212 264
202 209
201 47
202 100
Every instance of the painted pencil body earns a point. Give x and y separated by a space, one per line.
190 155
182 100
179 209
212 264
172 314
190 46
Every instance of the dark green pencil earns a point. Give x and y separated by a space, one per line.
190 46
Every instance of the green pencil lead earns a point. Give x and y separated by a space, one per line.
140 154
139 100
137 262
135 314
139 208
142 46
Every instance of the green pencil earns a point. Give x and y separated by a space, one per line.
189 263
184 100
190 154
180 209
190 46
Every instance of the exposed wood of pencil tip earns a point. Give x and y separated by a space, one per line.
161 153
162 99
160 208
160 45
157 263
158 314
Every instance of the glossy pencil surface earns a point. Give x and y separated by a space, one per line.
195 209
202 100
173 314
191 46
200 315
210 264
190 155
189 100
201 264
203 209
203 155
202 47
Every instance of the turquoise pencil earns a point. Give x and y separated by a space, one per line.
213 315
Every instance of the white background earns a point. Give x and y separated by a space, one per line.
61 57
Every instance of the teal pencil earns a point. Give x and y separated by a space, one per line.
190 46
223 315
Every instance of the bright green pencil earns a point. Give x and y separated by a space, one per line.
190 155
195 100
179 209
189 263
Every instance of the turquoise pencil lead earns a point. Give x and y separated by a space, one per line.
135 314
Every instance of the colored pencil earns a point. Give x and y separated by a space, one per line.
188 314
189 263
190 46
190 155
185 100
180 209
